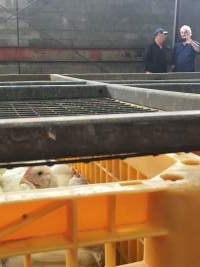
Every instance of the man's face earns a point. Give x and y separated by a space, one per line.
162 37
184 34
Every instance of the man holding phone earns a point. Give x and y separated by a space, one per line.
184 52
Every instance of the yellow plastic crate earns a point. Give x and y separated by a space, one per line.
114 170
128 169
163 211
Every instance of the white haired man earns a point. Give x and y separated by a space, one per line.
185 51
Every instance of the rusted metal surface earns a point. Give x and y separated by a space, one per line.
11 54
35 139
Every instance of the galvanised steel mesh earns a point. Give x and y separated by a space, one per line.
67 107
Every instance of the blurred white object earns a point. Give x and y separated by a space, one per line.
2 170
10 180
77 180
87 257
63 173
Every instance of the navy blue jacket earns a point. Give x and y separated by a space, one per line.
184 57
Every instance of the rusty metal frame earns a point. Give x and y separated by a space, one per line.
50 138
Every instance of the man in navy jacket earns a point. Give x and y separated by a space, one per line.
184 52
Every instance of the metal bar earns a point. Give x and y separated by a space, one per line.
18 38
176 21
159 99
18 83
135 76
39 92
192 88
152 133
175 81
24 77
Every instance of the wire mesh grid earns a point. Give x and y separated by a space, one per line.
67 107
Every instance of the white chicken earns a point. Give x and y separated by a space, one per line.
66 175
26 178
39 177
87 257
77 180
63 173
10 179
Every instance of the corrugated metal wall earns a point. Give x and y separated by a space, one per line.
113 33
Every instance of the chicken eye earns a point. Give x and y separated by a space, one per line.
40 173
